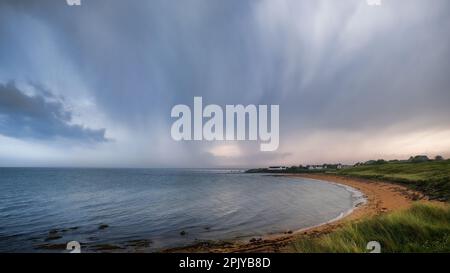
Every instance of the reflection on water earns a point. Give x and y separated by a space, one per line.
42 209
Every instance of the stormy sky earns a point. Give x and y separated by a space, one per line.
94 85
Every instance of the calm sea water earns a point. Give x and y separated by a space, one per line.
41 209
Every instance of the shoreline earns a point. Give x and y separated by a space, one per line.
381 197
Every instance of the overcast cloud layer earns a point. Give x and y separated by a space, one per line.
94 85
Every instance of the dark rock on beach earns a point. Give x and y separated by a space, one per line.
53 231
53 237
139 243
103 226
106 247
255 240
51 247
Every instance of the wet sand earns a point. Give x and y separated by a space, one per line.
382 197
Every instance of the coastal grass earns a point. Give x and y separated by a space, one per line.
422 228
431 177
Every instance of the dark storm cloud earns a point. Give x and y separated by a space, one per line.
332 66
40 116
329 65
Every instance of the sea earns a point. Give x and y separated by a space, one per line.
149 210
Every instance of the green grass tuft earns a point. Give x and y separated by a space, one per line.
422 228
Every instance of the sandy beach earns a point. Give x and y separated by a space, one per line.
381 198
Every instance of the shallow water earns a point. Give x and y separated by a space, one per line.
41 207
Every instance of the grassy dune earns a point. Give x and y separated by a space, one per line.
431 178
422 228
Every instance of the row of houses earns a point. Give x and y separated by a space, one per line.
324 166
277 168
309 167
